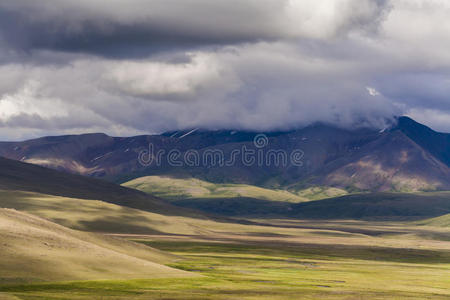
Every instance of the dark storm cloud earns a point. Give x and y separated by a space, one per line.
140 27
119 40
64 26
140 66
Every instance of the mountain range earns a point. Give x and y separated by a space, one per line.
406 157
54 220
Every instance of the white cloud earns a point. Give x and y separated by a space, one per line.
372 91
28 100
246 64
203 73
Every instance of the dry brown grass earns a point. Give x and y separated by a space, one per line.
34 249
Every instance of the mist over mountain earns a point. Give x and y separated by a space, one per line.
407 156
135 67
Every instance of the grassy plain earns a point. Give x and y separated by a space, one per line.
262 258
289 259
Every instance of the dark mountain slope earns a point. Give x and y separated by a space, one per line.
391 162
407 157
98 155
16 175
437 143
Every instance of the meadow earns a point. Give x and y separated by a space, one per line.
55 247
356 260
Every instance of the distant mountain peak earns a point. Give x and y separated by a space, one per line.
356 152
407 124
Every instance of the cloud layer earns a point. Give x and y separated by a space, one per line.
137 66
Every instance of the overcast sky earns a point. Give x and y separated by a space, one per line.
127 67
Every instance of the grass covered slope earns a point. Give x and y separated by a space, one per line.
247 200
219 199
442 221
318 192
88 204
34 249
173 189
99 216
15 175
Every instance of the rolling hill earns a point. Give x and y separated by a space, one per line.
90 204
15 175
99 216
442 221
246 200
34 249
173 189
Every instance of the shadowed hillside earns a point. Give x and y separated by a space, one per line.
99 216
437 143
16 175
392 162
34 249
407 157
245 200
376 205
